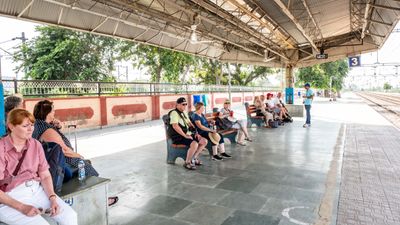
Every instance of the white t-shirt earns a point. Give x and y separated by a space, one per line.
271 103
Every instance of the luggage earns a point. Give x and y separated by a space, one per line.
70 137
56 160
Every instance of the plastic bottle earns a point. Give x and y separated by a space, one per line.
81 170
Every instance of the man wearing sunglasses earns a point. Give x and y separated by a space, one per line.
183 132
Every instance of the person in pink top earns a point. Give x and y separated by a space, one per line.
26 188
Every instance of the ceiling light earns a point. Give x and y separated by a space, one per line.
266 55
193 35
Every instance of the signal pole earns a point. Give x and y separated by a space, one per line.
23 40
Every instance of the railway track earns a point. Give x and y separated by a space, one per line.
387 104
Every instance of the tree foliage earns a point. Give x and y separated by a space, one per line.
61 54
246 74
387 86
164 65
320 75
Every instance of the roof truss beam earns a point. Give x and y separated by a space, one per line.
296 22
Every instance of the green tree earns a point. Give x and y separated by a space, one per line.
209 71
321 75
387 86
246 74
61 54
164 65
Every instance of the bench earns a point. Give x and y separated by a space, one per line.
174 151
252 117
89 200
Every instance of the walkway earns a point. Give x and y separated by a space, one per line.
287 176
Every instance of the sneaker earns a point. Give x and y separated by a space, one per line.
305 125
217 158
225 155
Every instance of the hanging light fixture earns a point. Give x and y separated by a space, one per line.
266 55
193 35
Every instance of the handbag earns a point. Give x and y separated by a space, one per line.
224 123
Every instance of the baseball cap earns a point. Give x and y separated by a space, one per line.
307 85
180 100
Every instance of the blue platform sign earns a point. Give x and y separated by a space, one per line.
354 61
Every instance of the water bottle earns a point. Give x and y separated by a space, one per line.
81 170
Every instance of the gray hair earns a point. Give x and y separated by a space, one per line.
11 102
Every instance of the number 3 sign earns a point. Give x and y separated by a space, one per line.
354 61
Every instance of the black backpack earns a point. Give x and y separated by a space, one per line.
56 160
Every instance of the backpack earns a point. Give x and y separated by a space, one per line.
273 123
56 160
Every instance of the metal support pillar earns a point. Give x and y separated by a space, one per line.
289 91
229 82
2 113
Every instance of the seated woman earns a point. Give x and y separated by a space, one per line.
203 129
227 112
271 104
260 107
26 187
48 129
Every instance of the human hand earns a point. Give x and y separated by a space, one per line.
56 123
29 210
189 137
55 208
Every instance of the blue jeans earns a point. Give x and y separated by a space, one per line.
308 114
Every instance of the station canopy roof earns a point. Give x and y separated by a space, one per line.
272 33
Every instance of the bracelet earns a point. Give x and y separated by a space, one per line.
53 195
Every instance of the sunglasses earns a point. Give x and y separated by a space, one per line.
184 104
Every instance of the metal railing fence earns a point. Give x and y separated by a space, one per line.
60 88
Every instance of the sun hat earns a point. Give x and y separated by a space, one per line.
214 137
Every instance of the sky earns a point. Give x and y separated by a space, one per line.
388 53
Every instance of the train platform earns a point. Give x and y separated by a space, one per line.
342 170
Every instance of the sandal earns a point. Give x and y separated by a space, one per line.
241 143
189 166
197 162
114 200
248 139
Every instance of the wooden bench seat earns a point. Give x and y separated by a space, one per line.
252 117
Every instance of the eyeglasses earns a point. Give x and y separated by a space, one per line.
184 104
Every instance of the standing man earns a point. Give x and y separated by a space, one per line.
308 98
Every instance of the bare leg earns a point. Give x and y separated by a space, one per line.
240 136
222 148
191 151
202 145
215 149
